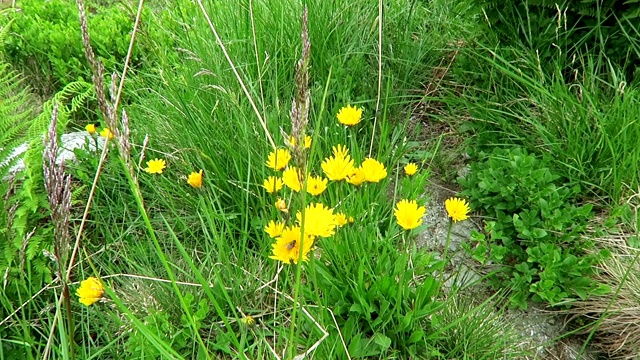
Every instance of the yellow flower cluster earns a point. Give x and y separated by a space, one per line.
90 291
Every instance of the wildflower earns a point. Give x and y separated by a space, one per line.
341 219
318 220
410 169
337 167
282 206
278 159
349 115
291 178
316 185
373 170
91 129
106 133
155 166
273 184
307 141
457 209
274 229
90 291
195 179
351 220
357 177
287 246
248 320
408 214
340 151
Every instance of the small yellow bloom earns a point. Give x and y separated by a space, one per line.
287 247
318 220
274 229
248 320
106 133
457 209
90 291
349 115
341 219
408 214
155 166
307 141
282 206
357 177
91 128
278 159
316 185
337 168
351 220
291 178
373 170
340 151
195 179
410 169
273 184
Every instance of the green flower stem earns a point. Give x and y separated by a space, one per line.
446 251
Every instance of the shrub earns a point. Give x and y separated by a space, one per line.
535 230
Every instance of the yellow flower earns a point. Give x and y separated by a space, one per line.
337 167
278 159
349 115
274 229
318 220
340 151
316 185
410 169
195 179
90 291
408 214
91 128
106 133
307 141
287 246
291 178
155 166
248 320
272 184
373 170
282 206
357 177
341 219
351 220
457 209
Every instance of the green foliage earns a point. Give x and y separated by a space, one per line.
535 229
607 27
46 41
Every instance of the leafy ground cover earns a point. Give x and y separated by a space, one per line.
261 185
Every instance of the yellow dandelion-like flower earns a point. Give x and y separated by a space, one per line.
318 220
155 166
91 128
351 220
357 177
316 185
341 219
340 151
287 247
195 179
409 214
90 291
374 170
307 141
457 209
291 178
282 206
274 229
248 320
106 133
337 168
410 169
278 159
273 184
349 115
